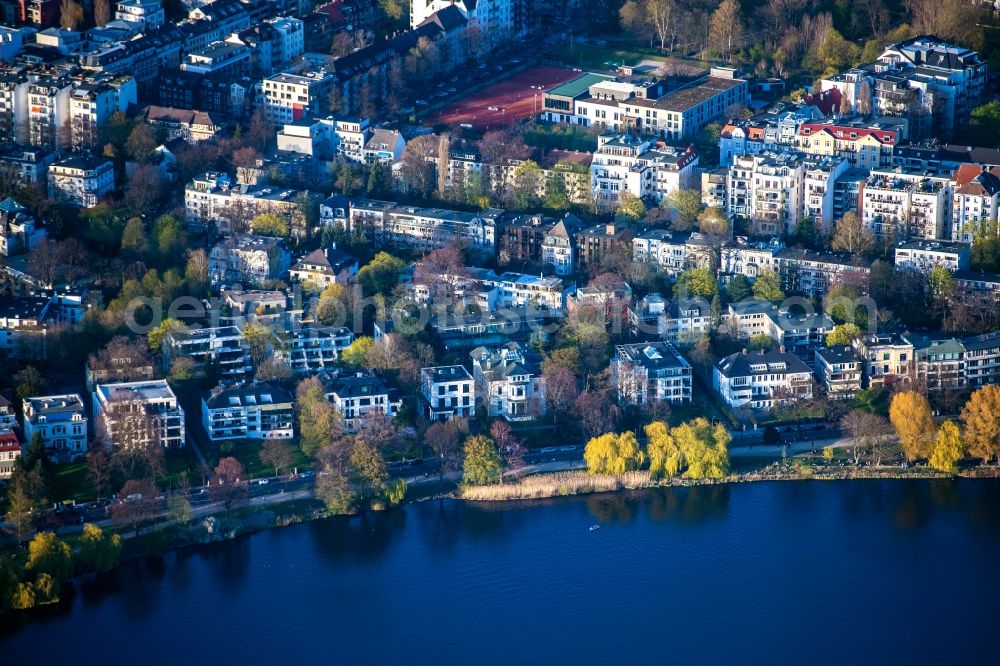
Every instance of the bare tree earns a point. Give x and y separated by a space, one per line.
136 504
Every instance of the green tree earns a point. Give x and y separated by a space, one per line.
910 413
334 489
270 224
48 554
663 453
168 240
713 221
20 508
767 286
843 334
395 491
986 118
358 352
687 203
630 207
179 509
761 342
739 287
528 179
947 449
319 423
697 282
134 239
482 464
99 551
155 337
28 383
381 274
368 468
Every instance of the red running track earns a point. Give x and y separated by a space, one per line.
512 97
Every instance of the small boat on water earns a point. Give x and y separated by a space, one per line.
594 527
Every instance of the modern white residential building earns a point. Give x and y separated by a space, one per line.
643 166
353 134
148 12
138 414
212 199
248 411
7 417
24 325
223 349
923 255
904 204
448 391
61 422
684 320
424 228
650 373
358 396
83 181
762 380
768 190
290 41
819 191
668 250
91 105
800 334
289 97
839 371
509 382
975 206
308 347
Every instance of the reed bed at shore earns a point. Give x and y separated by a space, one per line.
578 482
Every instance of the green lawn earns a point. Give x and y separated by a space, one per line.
69 482
590 56
248 453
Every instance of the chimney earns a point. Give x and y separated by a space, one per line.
609 229
782 349
744 352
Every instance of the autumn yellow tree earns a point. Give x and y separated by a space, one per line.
910 414
704 448
947 449
613 454
981 423
664 456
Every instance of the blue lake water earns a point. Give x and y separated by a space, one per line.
874 571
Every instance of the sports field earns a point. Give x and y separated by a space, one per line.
505 102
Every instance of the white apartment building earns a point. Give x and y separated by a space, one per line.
448 391
905 204
359 396
222 347
509 382
975 206
307 348
819 190
645 167
289 97
494 19
353 134
748 259
839 371
83 181
668 250
762 380
247 260
557 250
923 255
423 228
10 453
47 109
248 411
767 189
61 422
290 41
649 373
91 104
8 419
310 136
116 407
147 12
212 199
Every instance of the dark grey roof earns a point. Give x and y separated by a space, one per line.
447 373
739 364
838 354
361 384
256 394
